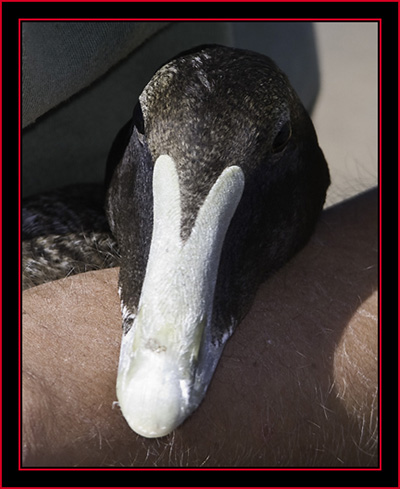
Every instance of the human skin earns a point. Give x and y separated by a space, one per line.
296 385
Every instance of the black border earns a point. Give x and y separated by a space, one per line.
11 12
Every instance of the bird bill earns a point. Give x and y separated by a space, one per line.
167 358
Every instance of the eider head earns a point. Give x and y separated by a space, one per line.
220 180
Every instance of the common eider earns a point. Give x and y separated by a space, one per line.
215 183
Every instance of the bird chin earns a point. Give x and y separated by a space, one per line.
169 354
160 384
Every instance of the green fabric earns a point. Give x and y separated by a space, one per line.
61 58
81 80
70 143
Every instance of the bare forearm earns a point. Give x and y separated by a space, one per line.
296 385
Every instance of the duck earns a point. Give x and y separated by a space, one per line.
214 184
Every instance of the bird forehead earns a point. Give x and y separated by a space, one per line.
227 82
191 122
212 109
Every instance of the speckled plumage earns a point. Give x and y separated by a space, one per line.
74 208
52 257
65 232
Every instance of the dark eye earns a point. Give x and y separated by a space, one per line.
137 118
282 138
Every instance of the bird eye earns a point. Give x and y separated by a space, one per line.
137 118
282 138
